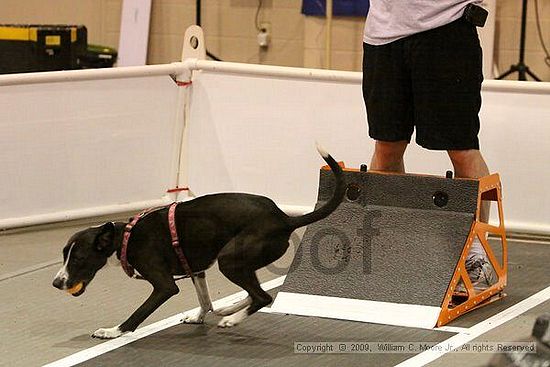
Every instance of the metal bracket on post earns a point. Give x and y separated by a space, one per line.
193 44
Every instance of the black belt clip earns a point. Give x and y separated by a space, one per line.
475 15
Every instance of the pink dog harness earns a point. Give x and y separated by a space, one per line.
128 269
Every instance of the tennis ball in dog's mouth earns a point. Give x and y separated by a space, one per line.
76 288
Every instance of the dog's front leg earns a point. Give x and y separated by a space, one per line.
160 295
201 287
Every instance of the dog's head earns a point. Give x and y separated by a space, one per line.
85 253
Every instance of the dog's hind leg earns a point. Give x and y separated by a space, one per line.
229 310
238 261
257 299
201 287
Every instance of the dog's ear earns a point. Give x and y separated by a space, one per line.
104 240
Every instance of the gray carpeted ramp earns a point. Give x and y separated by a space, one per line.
265 340
395 240
269 339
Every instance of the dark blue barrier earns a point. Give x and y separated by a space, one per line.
340 7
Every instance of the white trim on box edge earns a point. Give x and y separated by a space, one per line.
408 315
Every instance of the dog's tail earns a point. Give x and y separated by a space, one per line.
332 203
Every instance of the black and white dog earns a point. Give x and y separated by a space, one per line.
243 232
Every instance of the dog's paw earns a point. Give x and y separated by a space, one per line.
234 319
107 333
194 318
225 323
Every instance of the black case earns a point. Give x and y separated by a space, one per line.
475 15
28 48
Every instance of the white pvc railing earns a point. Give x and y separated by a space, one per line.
240 109
76 147
182 71
92 74
187 66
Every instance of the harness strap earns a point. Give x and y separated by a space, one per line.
175 240
128 269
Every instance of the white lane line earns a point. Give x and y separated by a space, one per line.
453 329
140 333
477 330
30 269
465 334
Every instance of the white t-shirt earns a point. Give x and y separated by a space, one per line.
390 20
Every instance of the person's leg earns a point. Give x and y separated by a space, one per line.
388 156
388 102
446 77
470 164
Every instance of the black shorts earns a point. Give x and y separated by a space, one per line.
431 81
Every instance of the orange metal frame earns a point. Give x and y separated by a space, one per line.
490 189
